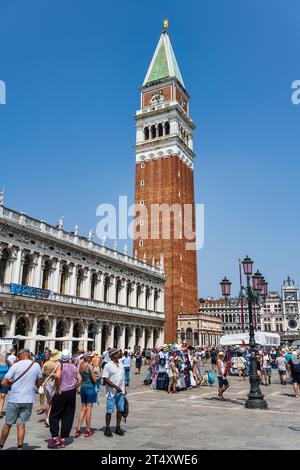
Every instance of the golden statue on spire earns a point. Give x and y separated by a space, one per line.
166 24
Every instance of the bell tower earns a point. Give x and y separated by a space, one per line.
164 183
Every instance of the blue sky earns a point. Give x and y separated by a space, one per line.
72 70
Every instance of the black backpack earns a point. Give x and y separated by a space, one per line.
126 409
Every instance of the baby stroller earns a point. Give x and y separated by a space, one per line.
148 378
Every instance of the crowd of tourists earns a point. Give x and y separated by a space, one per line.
58 377
176 367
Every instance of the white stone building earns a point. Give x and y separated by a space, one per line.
59 289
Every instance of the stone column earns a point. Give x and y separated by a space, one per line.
37 272
121 342
32 335
123 292
70 335
151 339
85 342
53 333
98 340
12 326
142 338
151 299
110 337
131 341
16 274
87 285
161 336
55 278
132 302
143 297
161 305
112 290
72 280
99 294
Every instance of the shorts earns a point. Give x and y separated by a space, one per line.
116 400
282 372
172 380
18 413
4 389
296 379
222 382
267 370
88 395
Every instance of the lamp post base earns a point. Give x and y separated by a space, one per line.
256 399
256 404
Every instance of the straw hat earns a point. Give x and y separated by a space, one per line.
55 355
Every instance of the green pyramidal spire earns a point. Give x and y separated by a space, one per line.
164 63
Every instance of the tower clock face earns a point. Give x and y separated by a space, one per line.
292 324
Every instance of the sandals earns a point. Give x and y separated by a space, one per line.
77 432
88 433
62 443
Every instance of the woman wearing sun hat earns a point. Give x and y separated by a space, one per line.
67 379
88 394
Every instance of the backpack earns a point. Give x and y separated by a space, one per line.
126 409
296 368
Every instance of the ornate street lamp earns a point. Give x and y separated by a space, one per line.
252 295
226 287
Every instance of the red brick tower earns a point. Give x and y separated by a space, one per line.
164 175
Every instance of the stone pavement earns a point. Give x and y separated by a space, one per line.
194 419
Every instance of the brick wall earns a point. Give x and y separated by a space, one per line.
169 180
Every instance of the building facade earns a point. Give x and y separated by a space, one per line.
199 330
164 183
281 313
59 289
230 313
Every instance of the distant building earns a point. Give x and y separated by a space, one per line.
281 313
199 329
230 314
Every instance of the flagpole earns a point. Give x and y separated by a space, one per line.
242 301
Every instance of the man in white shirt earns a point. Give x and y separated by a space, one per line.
114 379
23 376
105 357
11 358
126 361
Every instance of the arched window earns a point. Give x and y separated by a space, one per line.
63 279
26 270
106 288
60 331
226 318
93 285
147 297
167 128
160 130
42 328
128 291
21 327
156 297
118 290
46 272
153 131
3 264
146 133
189 334
230 318
138 295
79 282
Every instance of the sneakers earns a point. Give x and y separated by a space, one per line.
108 432
119 431
55 442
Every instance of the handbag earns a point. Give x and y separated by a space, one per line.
49 389
211 379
